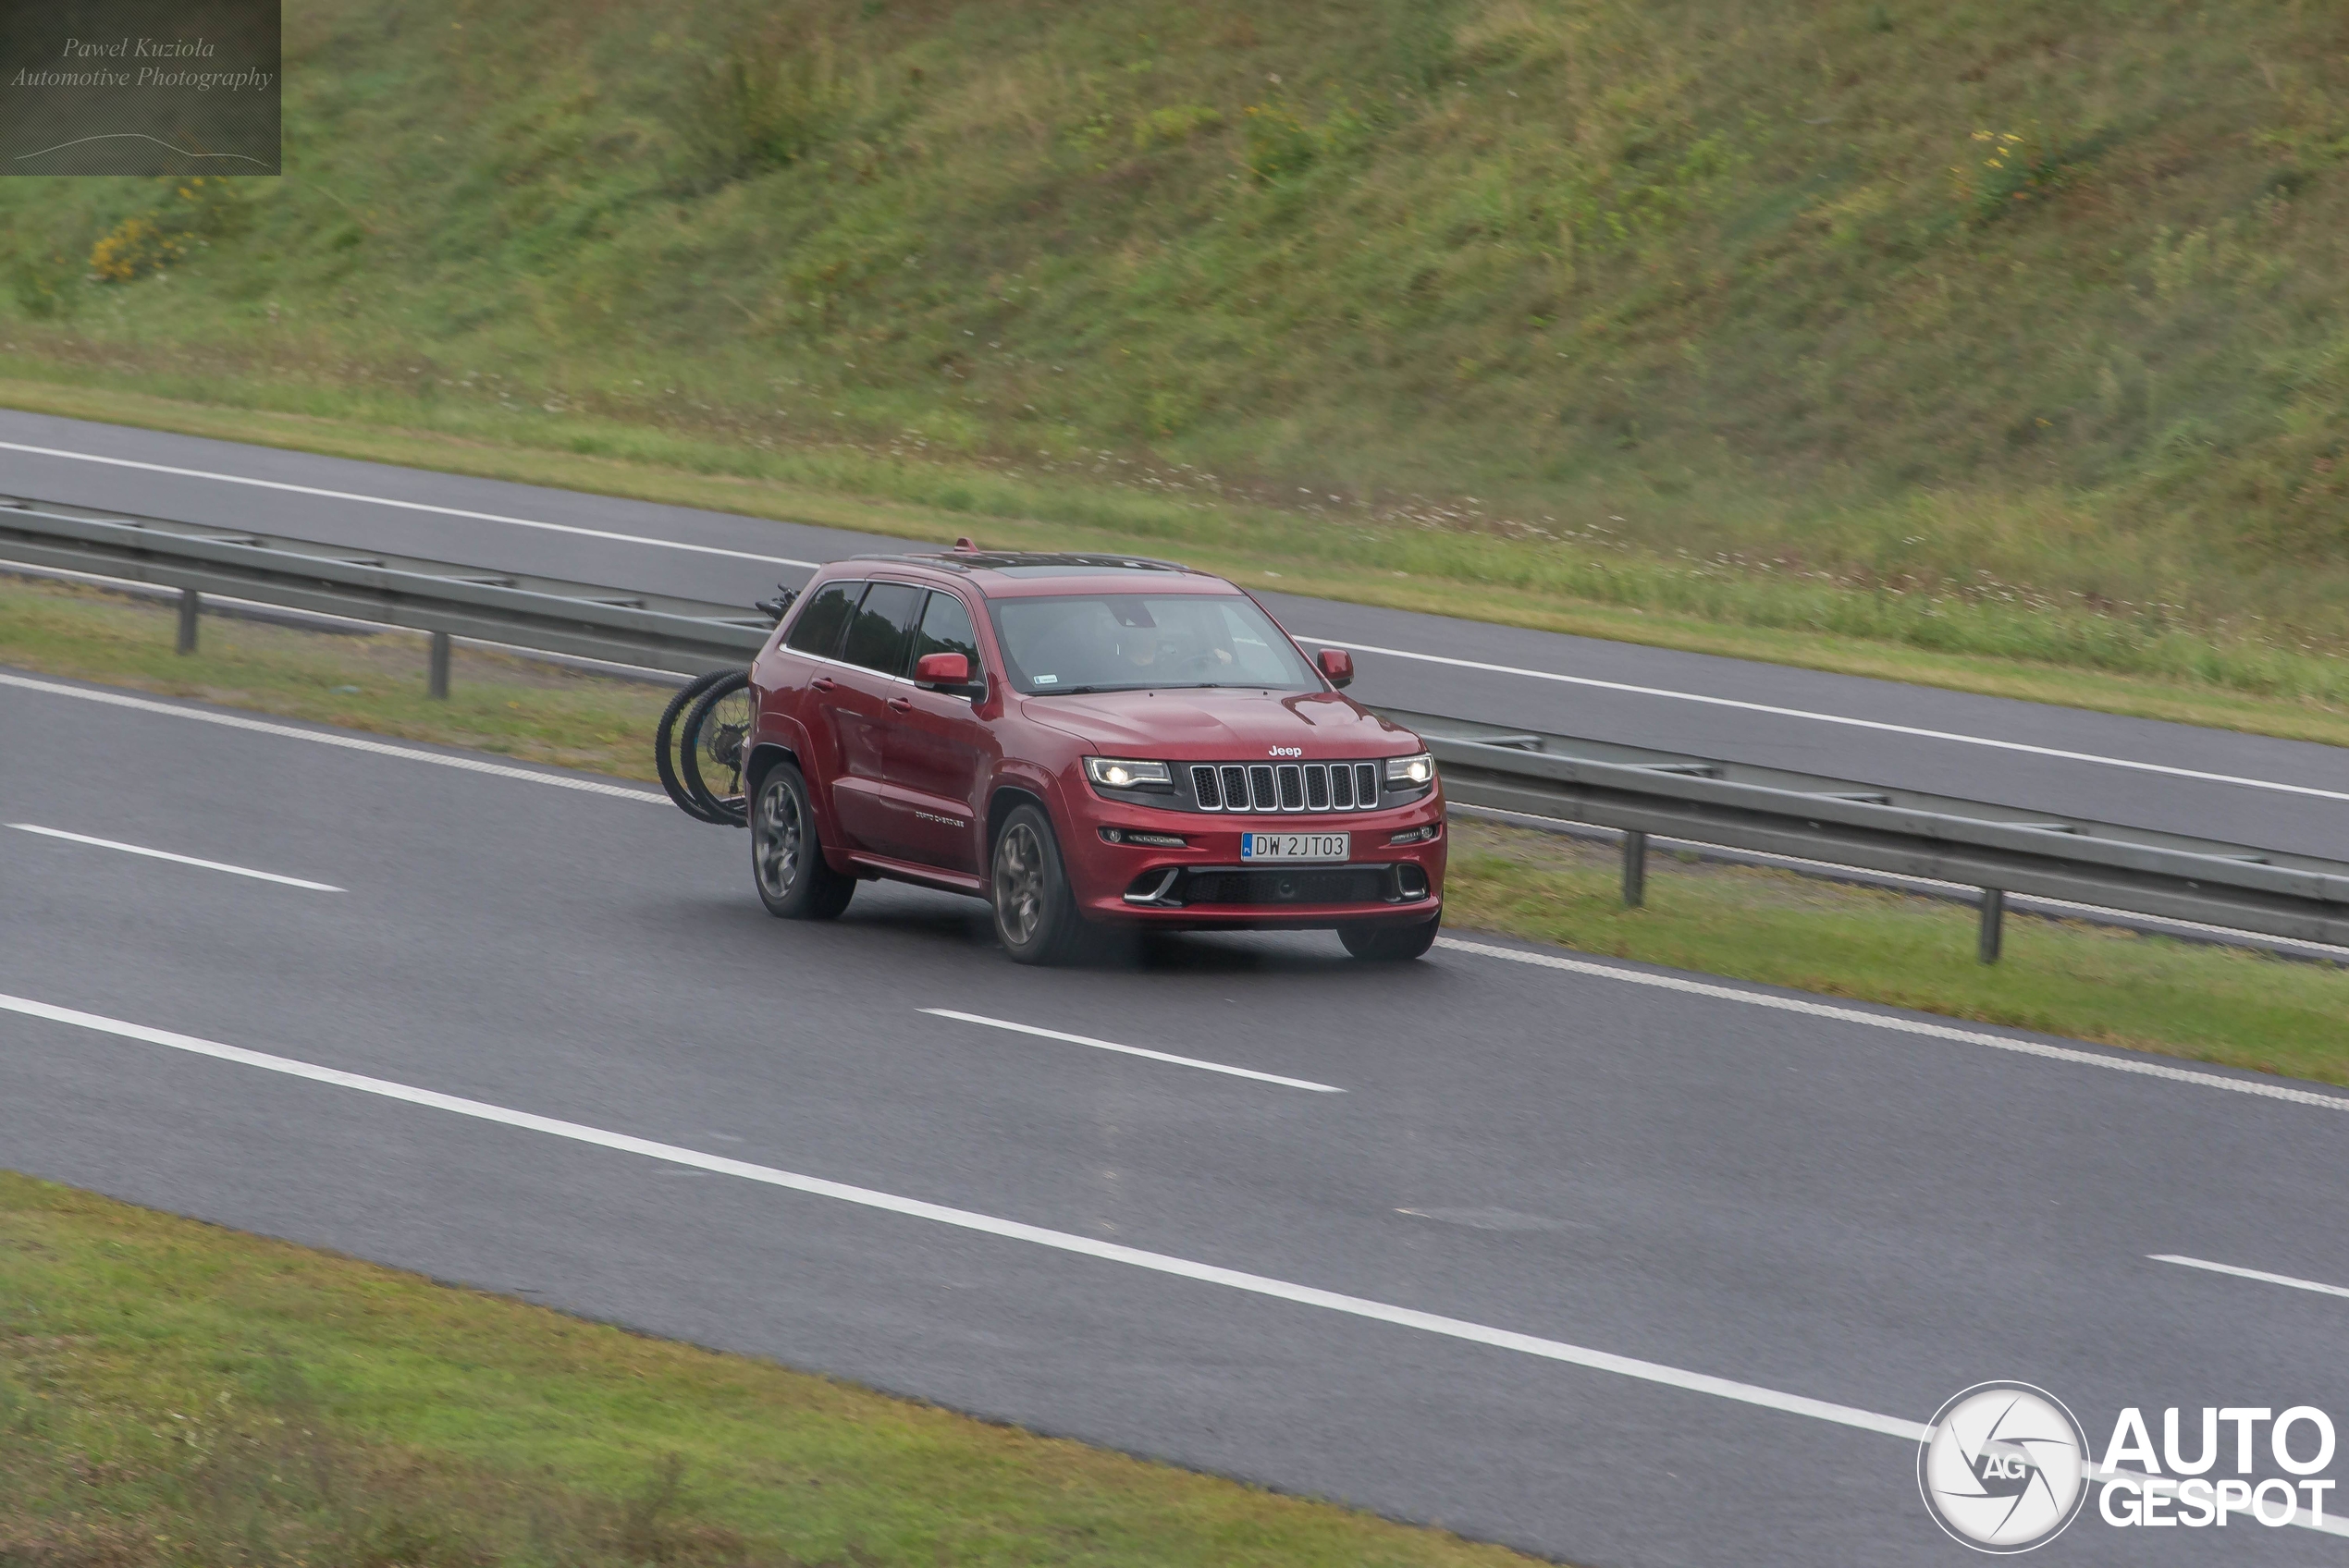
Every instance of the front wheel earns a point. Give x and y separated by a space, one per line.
1035 914
1388 943
786 857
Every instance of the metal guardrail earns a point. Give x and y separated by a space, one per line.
1561 778
1906 832
547 614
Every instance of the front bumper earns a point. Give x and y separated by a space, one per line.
1205 882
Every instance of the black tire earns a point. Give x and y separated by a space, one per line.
665 744
1385 942
1036 915
787 855
711 745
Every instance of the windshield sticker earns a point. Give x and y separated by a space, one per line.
1048 681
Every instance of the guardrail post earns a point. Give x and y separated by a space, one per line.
1635 868
437 680
1994 919
191 605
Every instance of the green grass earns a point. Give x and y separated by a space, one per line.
2147 993
2224 1005
1990 331
172 1393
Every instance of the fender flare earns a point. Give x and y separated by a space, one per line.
1014 787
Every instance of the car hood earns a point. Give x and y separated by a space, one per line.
1222 725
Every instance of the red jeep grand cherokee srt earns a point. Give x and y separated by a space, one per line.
1081 739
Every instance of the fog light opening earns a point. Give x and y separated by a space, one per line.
1411 882
1148 840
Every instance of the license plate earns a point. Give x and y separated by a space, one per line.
1296 846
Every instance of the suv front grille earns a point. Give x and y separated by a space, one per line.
1286 787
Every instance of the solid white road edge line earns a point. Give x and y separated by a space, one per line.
348 742
1011 1229
405 505
1325 641
2317 1285
1775 711
1902 1026
1133 1050
1514 955
178 859
1059 1241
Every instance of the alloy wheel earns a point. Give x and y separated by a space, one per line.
781 838
1019 883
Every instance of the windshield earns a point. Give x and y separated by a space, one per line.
1137 642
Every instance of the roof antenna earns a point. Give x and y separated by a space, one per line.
964 546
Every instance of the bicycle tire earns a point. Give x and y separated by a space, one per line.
697 745
665 745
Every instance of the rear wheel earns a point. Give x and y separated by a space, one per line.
1035 914
1385 943
786 857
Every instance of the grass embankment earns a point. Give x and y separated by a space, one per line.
1990 331
2065 978
173 1394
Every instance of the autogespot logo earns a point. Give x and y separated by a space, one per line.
2000 1467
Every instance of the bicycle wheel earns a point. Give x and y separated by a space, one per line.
665 760
710 744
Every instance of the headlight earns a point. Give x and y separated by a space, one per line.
1409 772
1119 773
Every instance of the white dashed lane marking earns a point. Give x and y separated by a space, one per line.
177 860
1133 1050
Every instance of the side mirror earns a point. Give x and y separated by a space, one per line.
943 669
1337 665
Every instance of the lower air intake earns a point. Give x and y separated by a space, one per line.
1253 885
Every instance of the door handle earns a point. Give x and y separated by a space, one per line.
823 683
901 705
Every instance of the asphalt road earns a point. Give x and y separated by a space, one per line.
2276 794
1794 1197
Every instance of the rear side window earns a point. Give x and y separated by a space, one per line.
818 629
878 631
946 629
